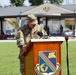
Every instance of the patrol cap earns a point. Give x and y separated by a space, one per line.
32 18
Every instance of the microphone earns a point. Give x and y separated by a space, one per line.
66 38
40 34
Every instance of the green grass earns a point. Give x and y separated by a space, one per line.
72 58
9 63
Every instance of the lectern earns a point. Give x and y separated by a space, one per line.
43 57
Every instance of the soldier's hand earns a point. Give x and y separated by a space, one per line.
24 48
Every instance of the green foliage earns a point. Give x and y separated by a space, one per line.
13 21
17 2
39 2
56 1
36 2
14 24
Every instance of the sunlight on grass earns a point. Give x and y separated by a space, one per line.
9 63
72 58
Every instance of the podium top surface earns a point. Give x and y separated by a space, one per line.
50 39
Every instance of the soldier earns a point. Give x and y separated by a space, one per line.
61 29
27 32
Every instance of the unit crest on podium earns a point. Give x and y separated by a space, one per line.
47 63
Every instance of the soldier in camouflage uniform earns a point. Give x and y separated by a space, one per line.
26 33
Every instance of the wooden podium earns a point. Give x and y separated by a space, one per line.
41 45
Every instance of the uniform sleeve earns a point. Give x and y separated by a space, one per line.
43 31
38 28
20 38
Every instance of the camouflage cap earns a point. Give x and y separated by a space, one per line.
32 18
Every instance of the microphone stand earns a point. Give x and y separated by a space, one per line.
66 38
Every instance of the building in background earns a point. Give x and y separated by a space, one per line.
65 2
48 14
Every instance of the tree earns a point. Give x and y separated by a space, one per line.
36 2
56 1
14 22
17 2
39 2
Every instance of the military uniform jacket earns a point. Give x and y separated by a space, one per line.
24 34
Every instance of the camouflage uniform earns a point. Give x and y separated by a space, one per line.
24 35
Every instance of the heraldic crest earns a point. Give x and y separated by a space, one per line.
48 64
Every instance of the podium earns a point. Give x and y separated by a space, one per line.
43 56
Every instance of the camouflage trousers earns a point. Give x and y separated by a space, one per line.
21 58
